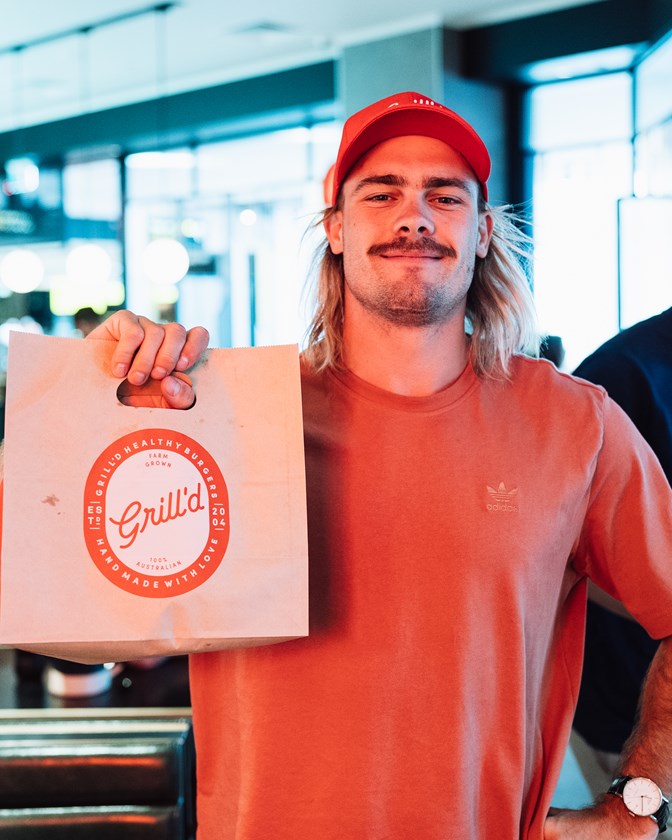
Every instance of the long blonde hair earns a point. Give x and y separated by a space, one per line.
500 309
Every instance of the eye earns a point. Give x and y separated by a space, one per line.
379 197
448 200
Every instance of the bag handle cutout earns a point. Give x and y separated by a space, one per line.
148 395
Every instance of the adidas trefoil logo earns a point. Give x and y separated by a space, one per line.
501 499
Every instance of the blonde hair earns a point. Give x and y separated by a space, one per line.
500 309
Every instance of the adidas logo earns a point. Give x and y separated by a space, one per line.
502 500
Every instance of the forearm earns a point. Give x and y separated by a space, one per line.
648 751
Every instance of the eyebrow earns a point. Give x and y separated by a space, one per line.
400 181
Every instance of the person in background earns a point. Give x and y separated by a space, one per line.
635 367
553 349
86 320
460 494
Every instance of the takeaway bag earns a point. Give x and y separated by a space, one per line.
130 532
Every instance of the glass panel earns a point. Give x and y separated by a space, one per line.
575 232
646 280
582 111
654 87
242 223
150 175
92 190
258 165
653 161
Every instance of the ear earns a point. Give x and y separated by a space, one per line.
485 225
333 227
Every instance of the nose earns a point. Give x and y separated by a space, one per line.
414 217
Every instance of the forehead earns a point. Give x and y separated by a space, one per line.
412 156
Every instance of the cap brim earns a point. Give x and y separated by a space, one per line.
442 125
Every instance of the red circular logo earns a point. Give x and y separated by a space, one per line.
156 513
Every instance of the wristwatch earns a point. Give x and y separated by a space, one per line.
643 798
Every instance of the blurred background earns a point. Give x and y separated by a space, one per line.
169 157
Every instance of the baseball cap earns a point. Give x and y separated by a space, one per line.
408 113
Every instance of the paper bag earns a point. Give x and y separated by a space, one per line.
130 532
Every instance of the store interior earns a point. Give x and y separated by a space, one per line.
171 158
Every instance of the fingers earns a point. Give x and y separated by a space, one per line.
124 327
148 350
171 392
158 353
196 344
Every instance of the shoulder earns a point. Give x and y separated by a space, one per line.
540 400
540 376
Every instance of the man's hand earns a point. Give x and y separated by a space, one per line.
608 820
153 357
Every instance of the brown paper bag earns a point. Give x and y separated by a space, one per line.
130 532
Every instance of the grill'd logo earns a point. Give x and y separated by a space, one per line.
156 513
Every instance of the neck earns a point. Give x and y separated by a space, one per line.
411 361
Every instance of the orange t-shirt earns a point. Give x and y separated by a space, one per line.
450 537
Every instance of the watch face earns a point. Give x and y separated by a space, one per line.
642 796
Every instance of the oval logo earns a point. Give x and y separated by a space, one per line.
156 513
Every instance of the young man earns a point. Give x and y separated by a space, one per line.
460 493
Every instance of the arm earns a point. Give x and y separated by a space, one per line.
647 753
153 357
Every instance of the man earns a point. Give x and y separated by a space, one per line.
460 493
635 367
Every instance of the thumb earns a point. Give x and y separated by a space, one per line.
177 391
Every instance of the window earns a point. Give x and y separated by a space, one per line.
580 137
240 208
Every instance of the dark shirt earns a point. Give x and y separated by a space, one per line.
635 367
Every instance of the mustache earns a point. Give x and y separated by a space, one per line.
425 245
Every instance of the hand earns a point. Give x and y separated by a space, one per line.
607 820
153 357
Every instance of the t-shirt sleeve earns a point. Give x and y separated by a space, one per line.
625 544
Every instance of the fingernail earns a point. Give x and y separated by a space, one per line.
137 378
120 369
182 363
172 386
159 373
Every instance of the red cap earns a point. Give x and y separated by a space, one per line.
408 113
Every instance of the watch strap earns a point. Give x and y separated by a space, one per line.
618 784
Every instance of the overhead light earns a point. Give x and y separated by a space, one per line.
165 295
21 270
88 263
25 324
160 160
165 261
248 217
67 295
23 176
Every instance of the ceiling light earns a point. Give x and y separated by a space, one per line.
165 261
21 270
160 160
88 264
